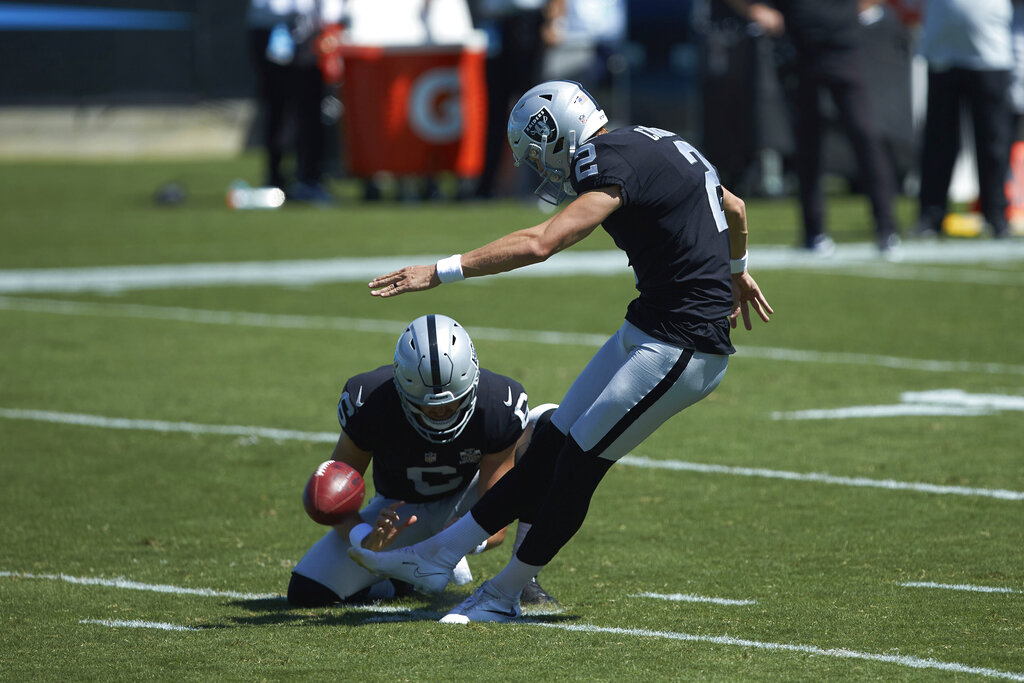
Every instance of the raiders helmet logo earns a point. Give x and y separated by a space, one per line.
542 123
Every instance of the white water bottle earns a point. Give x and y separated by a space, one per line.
242 196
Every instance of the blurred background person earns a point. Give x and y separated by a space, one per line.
589 45
518 33
969 49
825 35
283 43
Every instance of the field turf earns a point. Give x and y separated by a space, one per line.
848 505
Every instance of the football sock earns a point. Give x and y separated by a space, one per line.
452 544
511 580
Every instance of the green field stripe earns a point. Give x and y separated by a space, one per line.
100 421
392 327
841 653
725 640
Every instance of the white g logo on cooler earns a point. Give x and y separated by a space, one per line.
435 112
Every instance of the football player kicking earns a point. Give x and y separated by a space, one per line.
686 239
440 431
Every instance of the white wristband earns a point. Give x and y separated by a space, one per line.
358 533
738 265
450 269
480 548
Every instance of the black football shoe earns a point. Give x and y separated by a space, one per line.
533 594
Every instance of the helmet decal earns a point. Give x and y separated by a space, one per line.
541 125
546 127
435 367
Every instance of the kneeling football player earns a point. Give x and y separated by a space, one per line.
440 431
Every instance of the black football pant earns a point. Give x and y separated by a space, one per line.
550 487
986 95
511 72
838 71
290 97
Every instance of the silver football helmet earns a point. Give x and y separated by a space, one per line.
436 366
545 129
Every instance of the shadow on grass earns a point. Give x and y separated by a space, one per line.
277 612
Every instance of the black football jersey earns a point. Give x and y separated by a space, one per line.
408 467
671 226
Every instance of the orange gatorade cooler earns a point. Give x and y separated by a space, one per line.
415 110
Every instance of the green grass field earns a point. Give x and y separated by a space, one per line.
881 537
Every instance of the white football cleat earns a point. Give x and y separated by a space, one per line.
485 604
406 565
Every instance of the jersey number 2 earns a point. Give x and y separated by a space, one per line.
711 182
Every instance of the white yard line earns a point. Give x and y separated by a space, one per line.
123 583
839 653
943 402
821 478
960 587
686 597
249 431
83 420
726 640
569 263
135 623
393 327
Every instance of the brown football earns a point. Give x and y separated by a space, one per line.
334 491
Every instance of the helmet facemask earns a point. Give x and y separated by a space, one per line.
436 365
554 185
